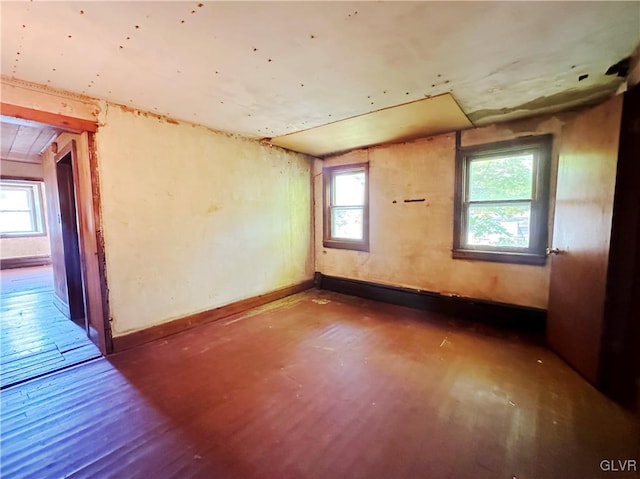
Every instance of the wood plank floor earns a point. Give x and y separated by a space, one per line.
35 338
318 385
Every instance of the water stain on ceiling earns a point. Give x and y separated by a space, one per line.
268 69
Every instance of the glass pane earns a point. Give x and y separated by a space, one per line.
348 189
506 225
347 223
16 222
14 198
506 178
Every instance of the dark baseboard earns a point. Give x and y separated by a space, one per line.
131 340
26 262
62 306
520 318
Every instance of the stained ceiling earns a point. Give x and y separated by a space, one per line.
268 69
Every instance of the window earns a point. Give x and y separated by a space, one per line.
346 207
502 201
21 208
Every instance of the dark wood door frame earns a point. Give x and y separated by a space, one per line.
619 373
91 244
66 177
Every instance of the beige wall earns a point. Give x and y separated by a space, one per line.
411 242
194 219
27 246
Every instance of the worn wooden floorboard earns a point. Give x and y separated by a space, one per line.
35 338
318 385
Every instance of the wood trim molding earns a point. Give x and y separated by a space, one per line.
25 262
62 306
68 123
131 340
508 316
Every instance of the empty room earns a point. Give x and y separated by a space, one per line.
320 240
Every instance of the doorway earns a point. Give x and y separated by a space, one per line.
44 313
68 217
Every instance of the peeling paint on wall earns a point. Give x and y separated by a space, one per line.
195 219
410 244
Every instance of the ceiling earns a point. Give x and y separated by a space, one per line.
268 69
23 140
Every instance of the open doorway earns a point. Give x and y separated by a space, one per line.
44 326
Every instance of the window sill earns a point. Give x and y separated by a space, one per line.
500 256
346 244
22 235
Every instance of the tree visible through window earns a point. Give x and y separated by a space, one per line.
21 208
502 201
346 207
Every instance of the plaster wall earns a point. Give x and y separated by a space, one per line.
194 219
410 243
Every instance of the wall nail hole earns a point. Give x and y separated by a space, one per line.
128 38
68 36
121 46
53 69
24 26
269 60
439 75
255 49
193 11
17 53
446 81
433 85
312 36
200 5
406 93
181 21
583 77
137 26
572 67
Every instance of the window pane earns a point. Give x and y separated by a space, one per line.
346 223
506 178
14 198
16 222
349 189
506 225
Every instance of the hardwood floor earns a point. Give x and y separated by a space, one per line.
318 385
35 338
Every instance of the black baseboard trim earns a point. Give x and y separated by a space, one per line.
24 262
503 315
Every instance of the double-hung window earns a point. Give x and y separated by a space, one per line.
346 207
502 201
21 208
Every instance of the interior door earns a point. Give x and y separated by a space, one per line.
70 239
76 169
581 235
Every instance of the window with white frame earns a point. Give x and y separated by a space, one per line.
346 207
502 201
21 208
